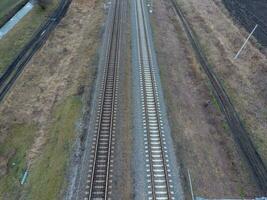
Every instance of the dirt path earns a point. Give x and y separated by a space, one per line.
203 142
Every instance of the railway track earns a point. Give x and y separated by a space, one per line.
240 134
102 152
159 179
12 72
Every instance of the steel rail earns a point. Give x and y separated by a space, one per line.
110 80
150 156
101 110
155 102
140 58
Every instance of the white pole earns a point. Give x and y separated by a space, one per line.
191 187
245 42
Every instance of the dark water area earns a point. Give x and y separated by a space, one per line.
249 13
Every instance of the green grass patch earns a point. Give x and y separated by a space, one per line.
17 143
215 101
47 175
7 5
12 43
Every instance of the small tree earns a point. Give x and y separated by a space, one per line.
44 3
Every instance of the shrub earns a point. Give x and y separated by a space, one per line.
44 3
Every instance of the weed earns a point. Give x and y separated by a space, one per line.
17 143
47 175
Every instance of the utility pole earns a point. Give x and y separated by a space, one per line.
236 56
191 187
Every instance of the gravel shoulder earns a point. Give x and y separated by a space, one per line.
203 143
122 183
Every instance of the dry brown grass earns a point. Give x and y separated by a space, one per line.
48 95
202 140
245 78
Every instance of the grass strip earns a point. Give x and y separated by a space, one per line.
47 175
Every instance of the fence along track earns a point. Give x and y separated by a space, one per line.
239 132
99 176
160 183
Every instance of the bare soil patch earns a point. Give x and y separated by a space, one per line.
202 140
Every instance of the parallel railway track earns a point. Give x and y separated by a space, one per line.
12 72
102 152
160 185
240 133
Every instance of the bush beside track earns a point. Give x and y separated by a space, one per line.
12 72
240 134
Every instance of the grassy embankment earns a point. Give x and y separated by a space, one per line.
47 174
61 130
45 180
12 43
41 113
